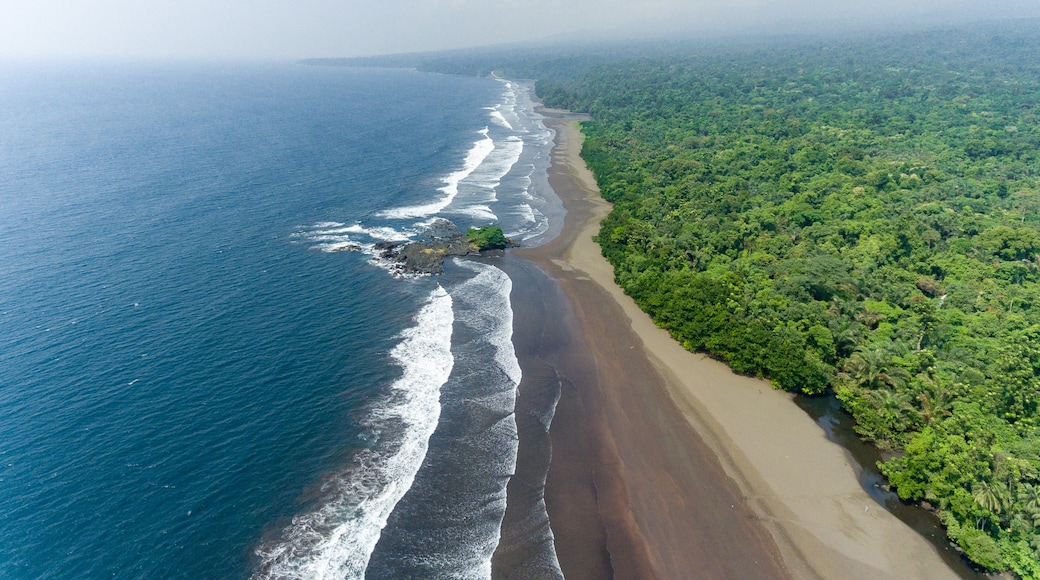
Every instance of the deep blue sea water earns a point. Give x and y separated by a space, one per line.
195 382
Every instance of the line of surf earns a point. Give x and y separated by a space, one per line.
474 158
337 539
491 312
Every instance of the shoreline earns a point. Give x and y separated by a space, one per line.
665 462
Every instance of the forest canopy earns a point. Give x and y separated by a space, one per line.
858 216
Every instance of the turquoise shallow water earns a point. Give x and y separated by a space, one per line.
184 371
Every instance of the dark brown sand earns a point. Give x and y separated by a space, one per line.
633 491
544 334
664 463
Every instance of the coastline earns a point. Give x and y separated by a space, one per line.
665 462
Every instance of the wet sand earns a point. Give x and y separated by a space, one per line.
664 463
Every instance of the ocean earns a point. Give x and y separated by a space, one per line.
205 369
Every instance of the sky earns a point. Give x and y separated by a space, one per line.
283 29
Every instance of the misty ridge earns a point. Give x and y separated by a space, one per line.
558 62
196 30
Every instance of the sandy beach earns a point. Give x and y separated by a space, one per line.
664 463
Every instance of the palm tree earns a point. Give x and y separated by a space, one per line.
1020 523
872 369
846 335
869 318
1029 497
936 402
888 399
991 496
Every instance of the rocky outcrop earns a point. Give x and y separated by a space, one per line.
426 255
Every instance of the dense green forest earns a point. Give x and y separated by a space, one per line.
861 216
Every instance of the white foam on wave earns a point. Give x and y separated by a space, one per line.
534 223
507 108
485 180
317 232
328 237
479 212
495 312
530 198
337 539
474 158
541 226
387 234
507 153
483 305
527 212
342 244
336 237
499 118
525 220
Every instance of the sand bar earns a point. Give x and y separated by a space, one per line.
666 464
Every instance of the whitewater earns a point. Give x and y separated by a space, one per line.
208 371
432 501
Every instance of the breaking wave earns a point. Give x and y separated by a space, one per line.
336 540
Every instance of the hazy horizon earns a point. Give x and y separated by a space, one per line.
265 29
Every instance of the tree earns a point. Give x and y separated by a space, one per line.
872 369
1029 497
991 496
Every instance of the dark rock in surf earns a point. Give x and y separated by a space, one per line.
426 255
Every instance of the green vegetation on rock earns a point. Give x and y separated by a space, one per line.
487 238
